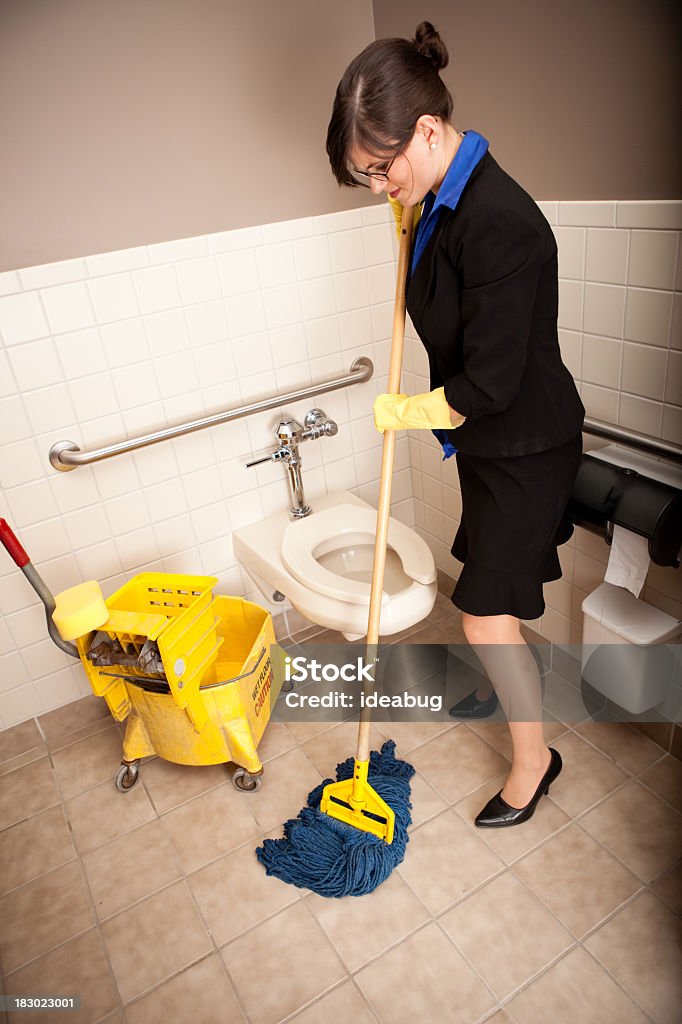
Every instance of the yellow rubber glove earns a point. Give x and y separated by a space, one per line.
398 214
429 411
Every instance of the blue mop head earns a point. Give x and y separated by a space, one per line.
319 852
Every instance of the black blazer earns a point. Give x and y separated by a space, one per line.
484 301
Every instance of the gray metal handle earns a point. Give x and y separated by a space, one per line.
67 455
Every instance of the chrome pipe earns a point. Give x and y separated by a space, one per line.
66 455
641 442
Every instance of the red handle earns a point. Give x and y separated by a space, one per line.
12 544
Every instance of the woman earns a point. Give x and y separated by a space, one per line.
483 296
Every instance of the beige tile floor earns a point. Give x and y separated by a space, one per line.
153 908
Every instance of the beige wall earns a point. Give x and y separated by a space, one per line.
579 100
125 122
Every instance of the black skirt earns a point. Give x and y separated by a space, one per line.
513 519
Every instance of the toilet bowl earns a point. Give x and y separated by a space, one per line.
323 565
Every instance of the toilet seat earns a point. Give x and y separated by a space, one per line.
301 538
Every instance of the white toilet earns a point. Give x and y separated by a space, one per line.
323 565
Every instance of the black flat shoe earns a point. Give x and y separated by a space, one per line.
472 707
497 813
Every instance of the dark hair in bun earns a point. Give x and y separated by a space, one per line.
382 95
430 45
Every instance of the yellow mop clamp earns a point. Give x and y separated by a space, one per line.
354 801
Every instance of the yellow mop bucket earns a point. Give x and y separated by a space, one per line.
189 671
214 703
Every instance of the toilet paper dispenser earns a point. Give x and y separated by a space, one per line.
607 494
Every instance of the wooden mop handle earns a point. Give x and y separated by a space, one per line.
394 370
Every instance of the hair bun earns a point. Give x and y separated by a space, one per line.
430 45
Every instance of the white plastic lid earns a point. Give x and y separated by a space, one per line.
630 618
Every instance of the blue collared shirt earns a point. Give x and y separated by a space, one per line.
472 149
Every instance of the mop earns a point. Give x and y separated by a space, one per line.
353 832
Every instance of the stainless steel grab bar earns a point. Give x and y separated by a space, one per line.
641 442
66 455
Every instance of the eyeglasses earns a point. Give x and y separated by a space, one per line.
364 178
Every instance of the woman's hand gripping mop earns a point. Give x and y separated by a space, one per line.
354 831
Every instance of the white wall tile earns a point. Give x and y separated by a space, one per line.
46 540
35 365
9 282
53 273
117 262
93 396
673 379
653 258
125 343
607 255
215 363
68 307
136 387
7 382
74 490
245 314
596 214
20 463
378 244
207 323
176 374
288 345
571 305
30 503
137 549
571 246
330 222
198 280
600 403
157 289
238 272
311 257
351 290
648 316
604 310
346 251
12 671
322 337
287 230
282 306
276 265
317 297
671 426
651 214
601 360
22 318
81 352
640 414
114 298
166 332
49 409
381 283
644 370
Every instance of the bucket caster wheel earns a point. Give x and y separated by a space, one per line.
126 776
245 782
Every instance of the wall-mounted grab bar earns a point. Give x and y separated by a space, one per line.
641 442
65 455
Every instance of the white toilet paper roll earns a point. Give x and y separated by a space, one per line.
628 561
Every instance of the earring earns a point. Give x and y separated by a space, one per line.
433 145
